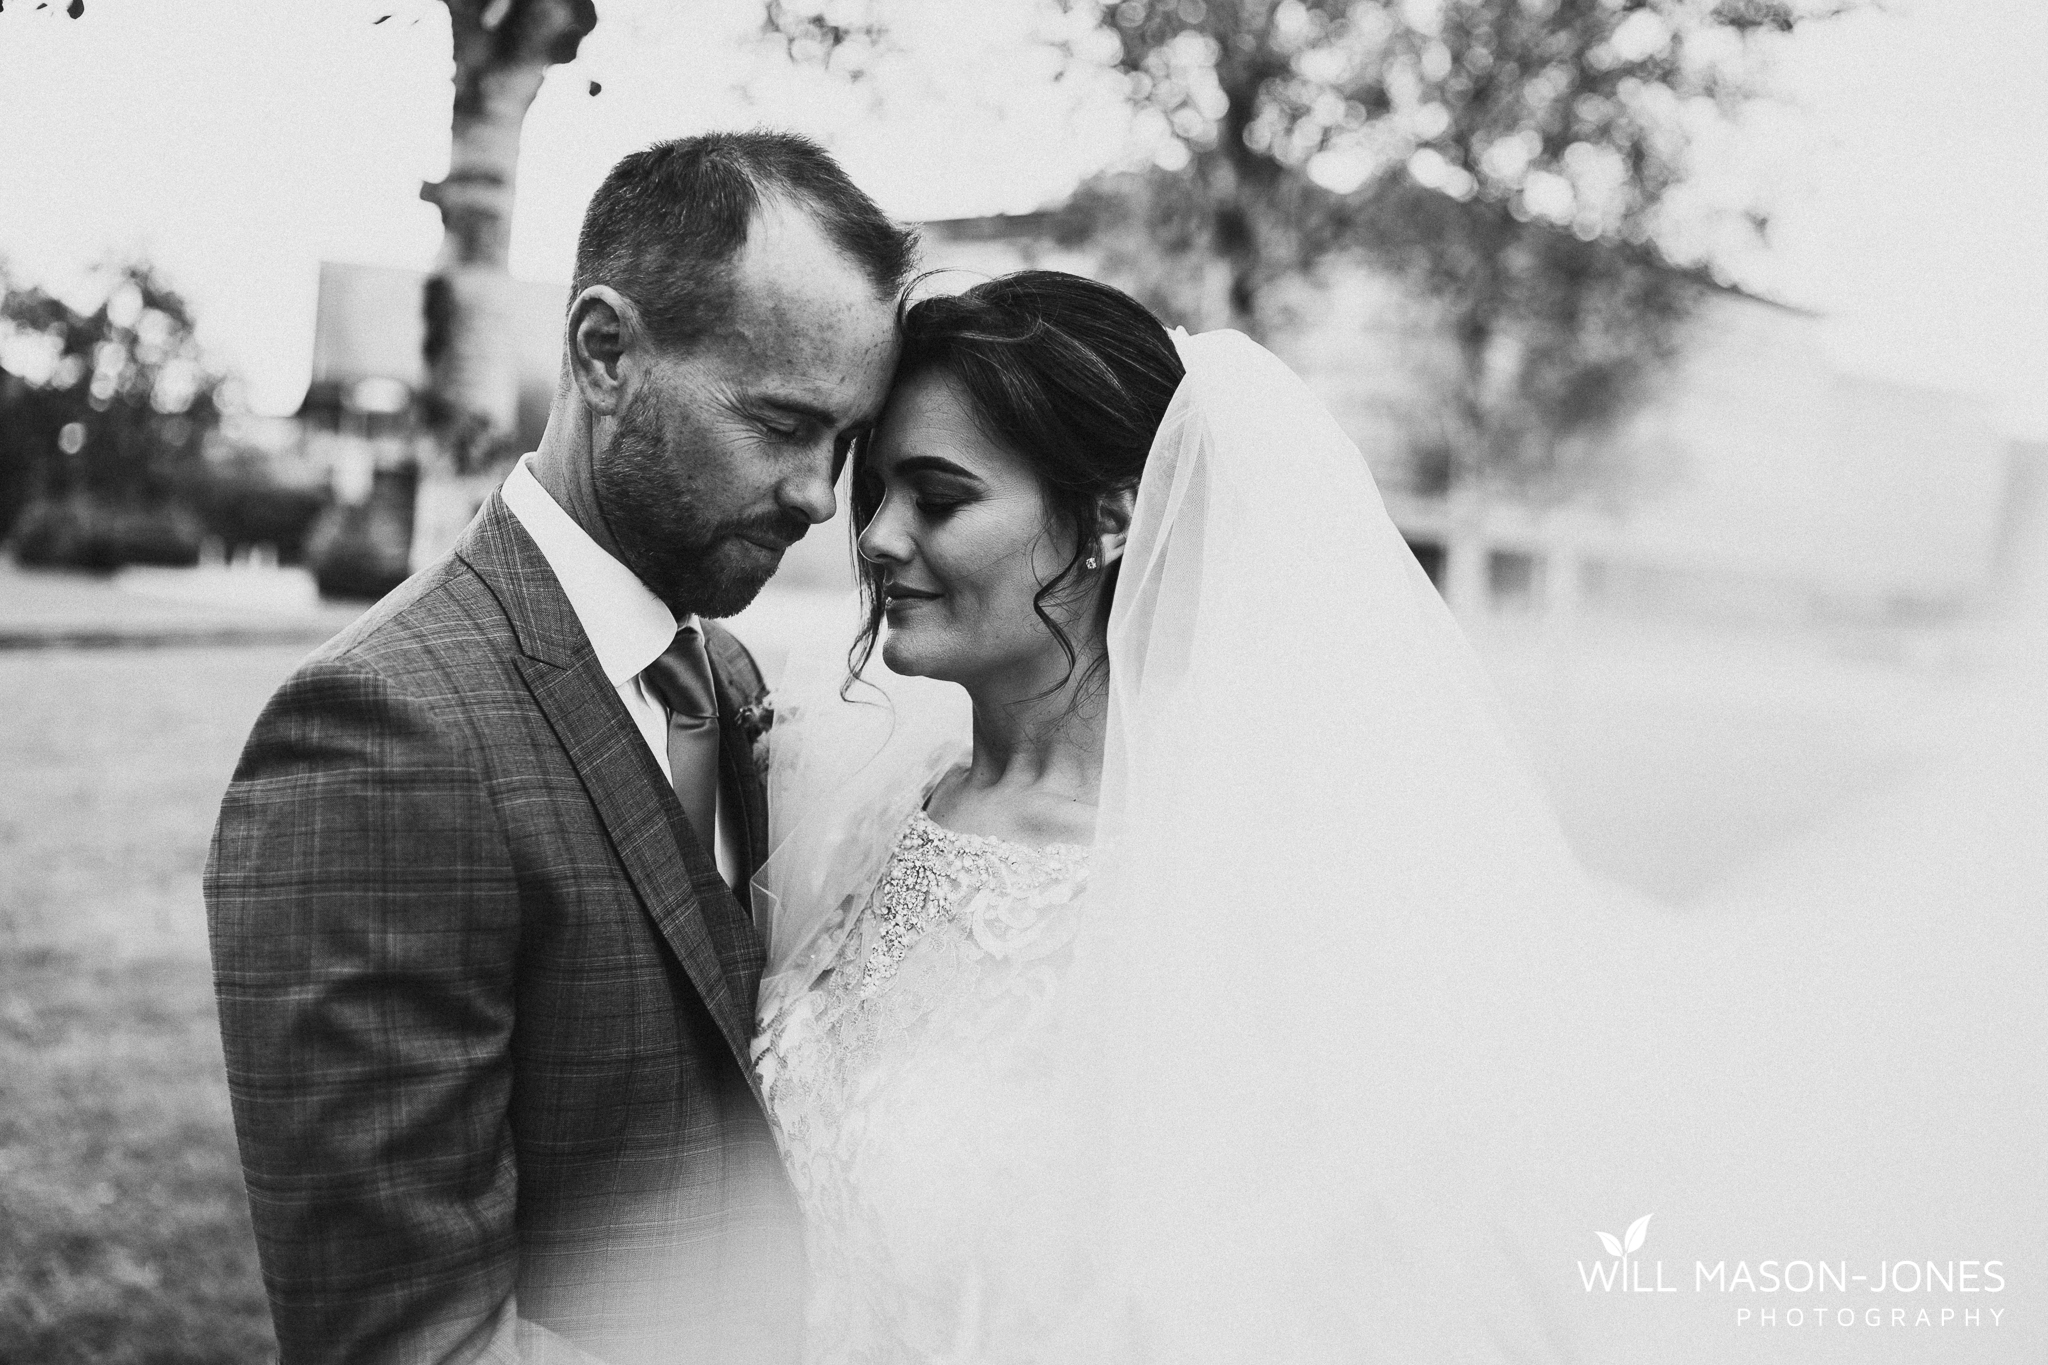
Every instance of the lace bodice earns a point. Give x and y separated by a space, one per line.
963 938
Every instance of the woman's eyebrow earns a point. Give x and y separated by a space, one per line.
932 464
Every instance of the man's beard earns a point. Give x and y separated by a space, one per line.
690 561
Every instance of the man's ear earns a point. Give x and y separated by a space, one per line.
1113 522
603 328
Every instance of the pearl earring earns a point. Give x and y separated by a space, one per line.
1089 562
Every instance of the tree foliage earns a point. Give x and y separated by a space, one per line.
1511 160
1548 341
109 403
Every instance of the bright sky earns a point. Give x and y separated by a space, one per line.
242 144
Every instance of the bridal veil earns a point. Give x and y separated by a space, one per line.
1323 883
1307 1007
1352 1061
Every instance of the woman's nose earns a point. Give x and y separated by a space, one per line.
882 541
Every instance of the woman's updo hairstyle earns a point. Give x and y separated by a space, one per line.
1073 375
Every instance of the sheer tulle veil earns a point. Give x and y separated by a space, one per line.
1267 1113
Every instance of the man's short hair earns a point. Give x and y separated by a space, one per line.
665 225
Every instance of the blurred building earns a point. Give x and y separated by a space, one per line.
360 413
2021 575
362 420
1758 480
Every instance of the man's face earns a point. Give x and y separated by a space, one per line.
723 456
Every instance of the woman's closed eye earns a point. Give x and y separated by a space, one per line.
938 495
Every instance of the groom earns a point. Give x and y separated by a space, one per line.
478 890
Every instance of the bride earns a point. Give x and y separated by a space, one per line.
1172 958
1155 942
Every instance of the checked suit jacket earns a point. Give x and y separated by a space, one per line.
486 1003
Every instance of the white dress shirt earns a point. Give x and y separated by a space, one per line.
629 627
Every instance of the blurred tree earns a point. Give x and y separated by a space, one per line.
31 417
503 49
1552 339
102 412
1510 160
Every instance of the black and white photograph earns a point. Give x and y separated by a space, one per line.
1024 682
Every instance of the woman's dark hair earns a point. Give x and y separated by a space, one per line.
1073 375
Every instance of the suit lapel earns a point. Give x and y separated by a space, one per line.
674 878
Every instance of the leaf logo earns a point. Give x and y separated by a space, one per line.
1632 1240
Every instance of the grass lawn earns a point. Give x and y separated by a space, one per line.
124 1236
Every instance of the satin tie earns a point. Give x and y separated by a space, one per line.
681 677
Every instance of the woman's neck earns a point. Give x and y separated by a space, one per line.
1037 764
1052 741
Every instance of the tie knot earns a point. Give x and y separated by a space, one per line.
682 677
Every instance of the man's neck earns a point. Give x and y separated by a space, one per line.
569 482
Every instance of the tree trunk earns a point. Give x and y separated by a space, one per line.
503 49
470 353
1467 546
1236 232
1239 182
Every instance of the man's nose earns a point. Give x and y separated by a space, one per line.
809 494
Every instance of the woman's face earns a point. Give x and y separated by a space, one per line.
962 541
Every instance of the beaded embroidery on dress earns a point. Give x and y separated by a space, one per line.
963 940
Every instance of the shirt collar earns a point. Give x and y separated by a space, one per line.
629 627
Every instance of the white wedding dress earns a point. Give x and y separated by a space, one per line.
1325 1050
963 938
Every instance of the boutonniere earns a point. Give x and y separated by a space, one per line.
754 721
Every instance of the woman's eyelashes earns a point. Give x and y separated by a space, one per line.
940 496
